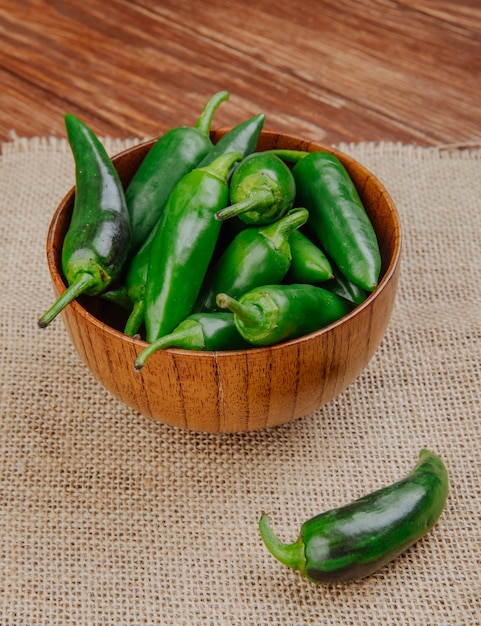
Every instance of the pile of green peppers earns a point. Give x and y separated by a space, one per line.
222 247
217 246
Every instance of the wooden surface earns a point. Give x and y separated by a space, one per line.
327 70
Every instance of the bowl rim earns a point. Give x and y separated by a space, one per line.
140 344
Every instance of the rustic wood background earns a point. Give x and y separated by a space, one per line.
328 70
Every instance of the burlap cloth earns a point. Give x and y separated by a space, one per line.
108 517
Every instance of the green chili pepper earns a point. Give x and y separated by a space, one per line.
183 245
135 281
345 288
255 257
262 189
309 263
174 154
242 138
336 214
97 241
131 295
199 331
271 314
358 539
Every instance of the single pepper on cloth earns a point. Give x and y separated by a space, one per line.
336 214
199 331
183 245
175 153
356 540
271 314
97 242
255 257
262 189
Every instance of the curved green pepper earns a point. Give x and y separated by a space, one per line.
262 189
174 154
338 217
183 245
255 257
358 539
309 264
271 314
96 245
199 331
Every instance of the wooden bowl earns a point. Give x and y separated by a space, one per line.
236 390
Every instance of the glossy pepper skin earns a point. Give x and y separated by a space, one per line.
176 153
183 245
199 331
255 257
309 264
338 217
262 190
356 540
271 314
96 245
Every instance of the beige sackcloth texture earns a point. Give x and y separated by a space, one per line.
108 517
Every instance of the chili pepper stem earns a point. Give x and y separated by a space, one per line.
279 230
221 166
264 198
135 319
249 315
205 120
167 341
75 290
289 554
